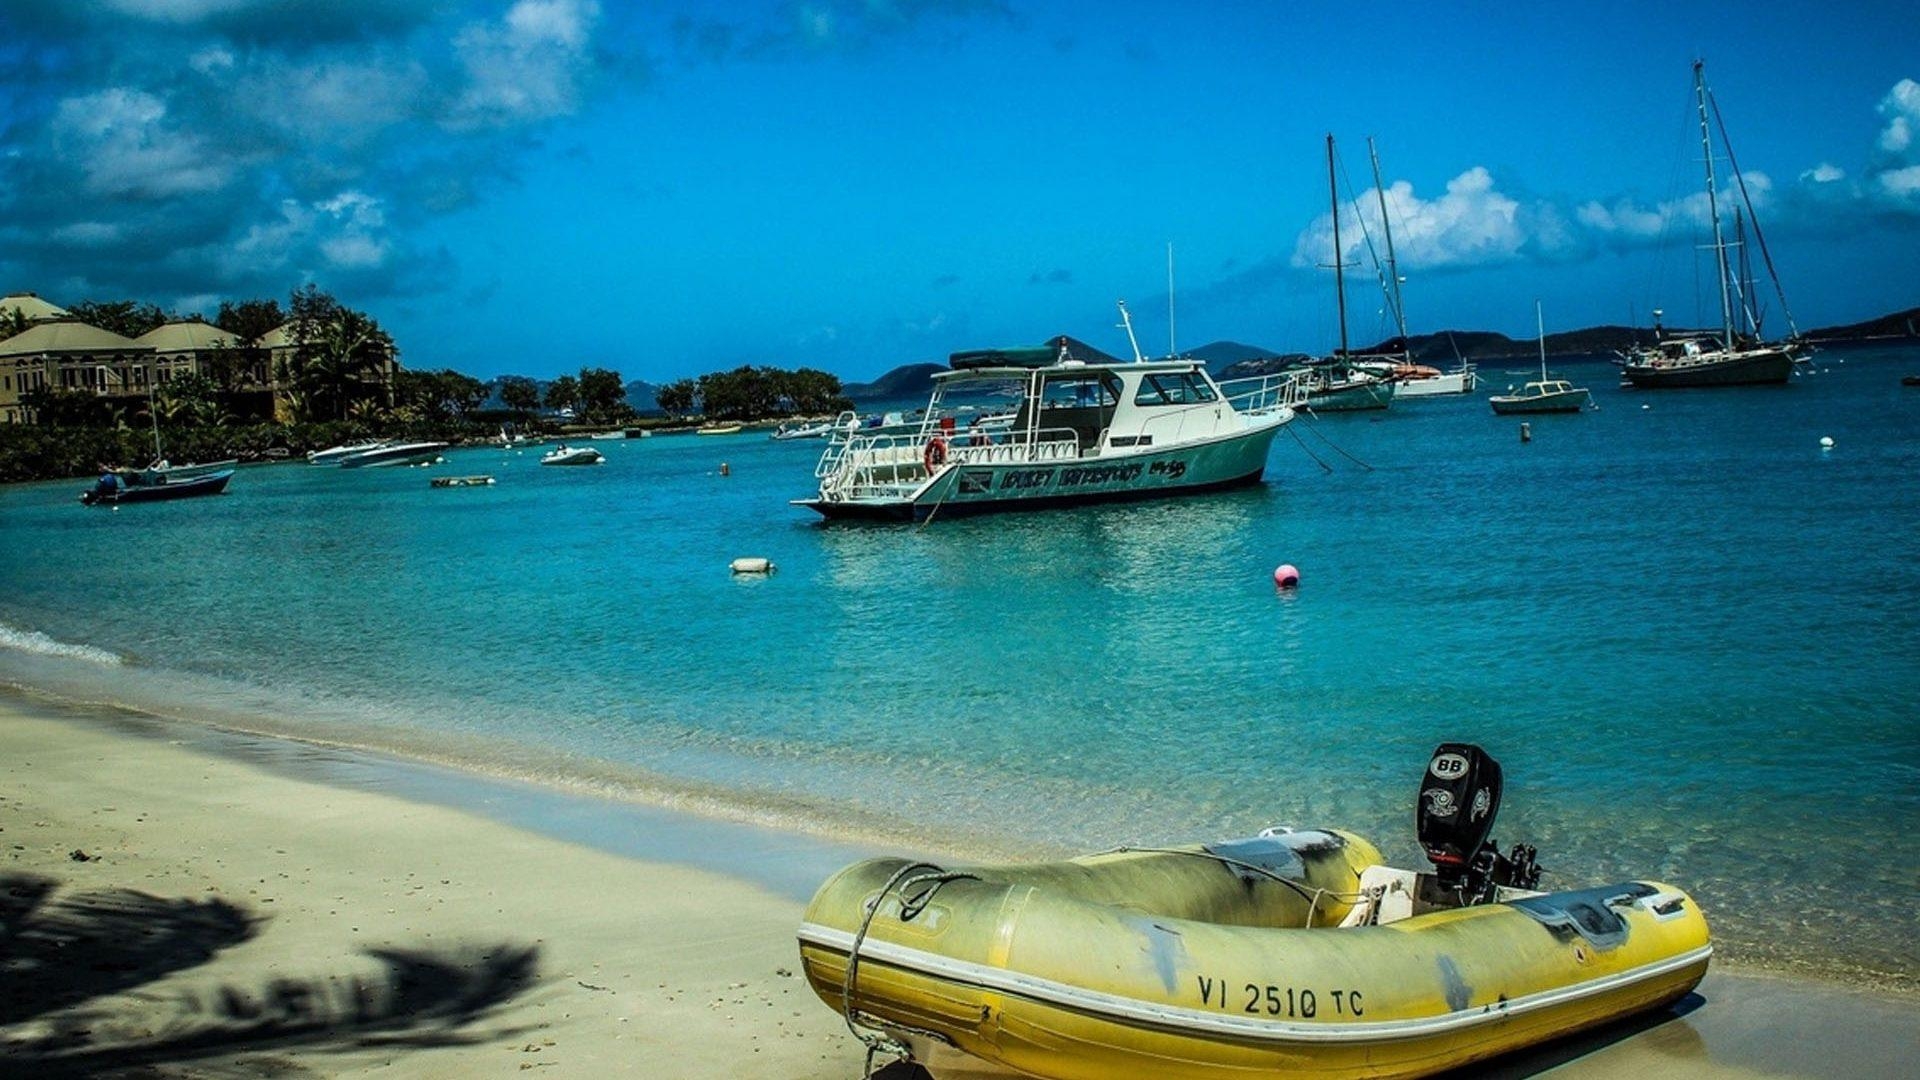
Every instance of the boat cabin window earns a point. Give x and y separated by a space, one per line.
1101 391
1173 389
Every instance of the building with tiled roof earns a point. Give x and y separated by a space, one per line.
69 355
28 307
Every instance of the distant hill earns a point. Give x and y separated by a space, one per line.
1899 324
906 381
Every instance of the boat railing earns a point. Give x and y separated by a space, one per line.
867 463
1260 394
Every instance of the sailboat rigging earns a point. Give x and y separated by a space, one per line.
1737 355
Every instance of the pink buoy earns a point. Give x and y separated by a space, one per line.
1286 577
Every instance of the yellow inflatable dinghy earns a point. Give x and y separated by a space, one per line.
1286 953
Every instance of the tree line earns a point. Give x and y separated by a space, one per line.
754 393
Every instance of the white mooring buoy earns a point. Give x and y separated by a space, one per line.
751 566
1826 442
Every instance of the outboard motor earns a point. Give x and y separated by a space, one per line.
1459 798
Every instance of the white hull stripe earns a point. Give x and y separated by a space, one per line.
1183 1019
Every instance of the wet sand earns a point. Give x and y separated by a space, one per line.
179 901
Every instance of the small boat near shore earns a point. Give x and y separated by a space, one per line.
1087 428
572 455
462 481
720 429
129 486
390 454
1290 953
787 432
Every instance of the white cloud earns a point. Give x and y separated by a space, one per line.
1824 173
1472 224
1900 183
528 66
1901 107
120 141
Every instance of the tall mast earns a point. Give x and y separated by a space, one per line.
1713 206
1339 272
1393 267
1540 323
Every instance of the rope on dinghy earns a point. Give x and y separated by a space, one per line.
878 1041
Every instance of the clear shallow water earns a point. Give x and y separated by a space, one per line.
1688 633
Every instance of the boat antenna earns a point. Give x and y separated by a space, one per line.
1126 320
1172 351
1713 206
1339 256
1393 265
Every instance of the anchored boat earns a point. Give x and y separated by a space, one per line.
1087 428
1736 356
1289 953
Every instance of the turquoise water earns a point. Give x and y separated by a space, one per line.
1691 636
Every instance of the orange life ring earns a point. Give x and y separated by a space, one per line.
936 453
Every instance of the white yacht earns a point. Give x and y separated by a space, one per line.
413 453
1084 430
333 455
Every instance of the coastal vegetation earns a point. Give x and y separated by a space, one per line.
749 393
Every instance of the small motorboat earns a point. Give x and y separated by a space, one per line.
788 432
1545 394
1910 380
128 486
572 455
720 429
601 436
1288 953
390 454
462 481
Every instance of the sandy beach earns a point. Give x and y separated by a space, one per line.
174 901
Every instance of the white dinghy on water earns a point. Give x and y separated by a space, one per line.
1088 428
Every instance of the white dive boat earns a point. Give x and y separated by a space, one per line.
1737 356
333 455
572 455
1084 431
1544 395
386 454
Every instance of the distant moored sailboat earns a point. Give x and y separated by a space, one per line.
1738 356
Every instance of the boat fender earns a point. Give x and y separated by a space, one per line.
751 566
1286 577
936 453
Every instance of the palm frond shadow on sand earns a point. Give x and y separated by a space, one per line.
63 956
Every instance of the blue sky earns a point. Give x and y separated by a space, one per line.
532 185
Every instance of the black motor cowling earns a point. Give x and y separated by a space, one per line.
1459 798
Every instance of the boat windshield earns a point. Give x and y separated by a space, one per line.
1101 390
1173 388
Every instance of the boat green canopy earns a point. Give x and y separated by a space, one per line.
1028 357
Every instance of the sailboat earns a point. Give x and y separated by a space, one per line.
1410 379
1336 384
1545 395
1737 356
